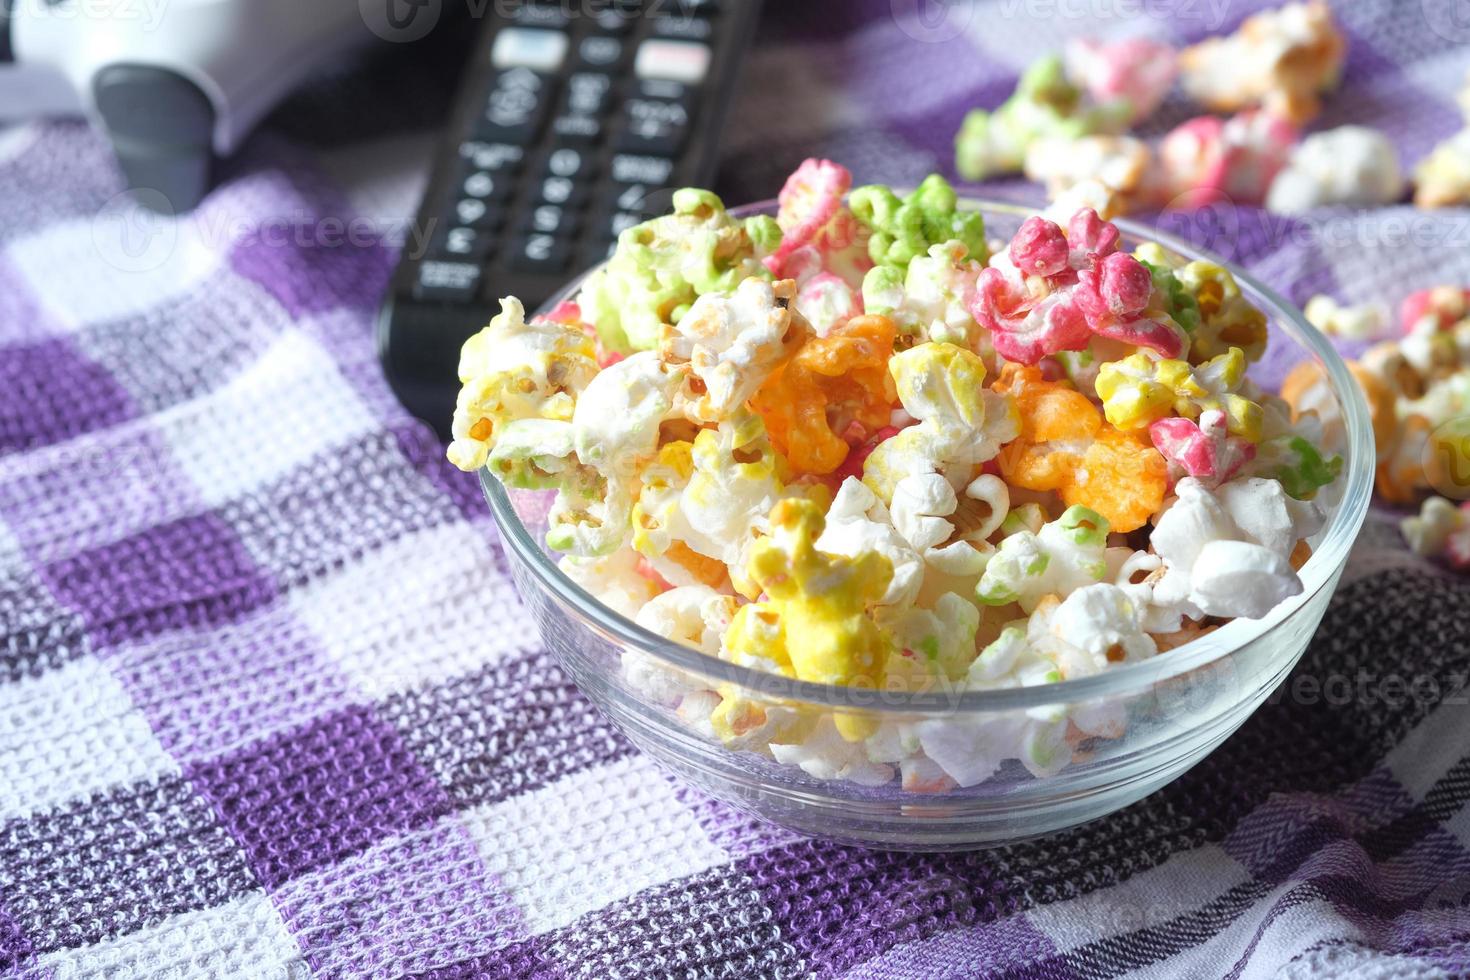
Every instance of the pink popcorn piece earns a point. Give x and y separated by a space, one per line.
1039 247
1024 327
1208 159
1446 304
1090 237
1203 450
809 200
1136 70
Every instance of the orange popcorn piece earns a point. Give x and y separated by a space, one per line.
1067 447
827 385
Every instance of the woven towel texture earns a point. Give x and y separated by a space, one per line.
270 707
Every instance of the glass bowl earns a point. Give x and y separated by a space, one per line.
1171 710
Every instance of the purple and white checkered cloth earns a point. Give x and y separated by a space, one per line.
269 705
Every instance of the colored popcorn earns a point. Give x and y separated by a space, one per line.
1234 161
1349 322
1440 530
1442 179
1282 59
1349 165
1135 72
856 446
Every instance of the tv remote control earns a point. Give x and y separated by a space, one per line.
575 121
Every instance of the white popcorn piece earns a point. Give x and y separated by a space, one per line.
825 754
1102 621
1056 561
1267 515
1347 165
1350 322
1219 568
1120 163
970 751
933 643
932 300
827 301
1442 179
857 522
728 499
920 505
616 422
1107 201
612 579
732 343
679 615
1430 530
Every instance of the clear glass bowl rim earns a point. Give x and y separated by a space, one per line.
1319 572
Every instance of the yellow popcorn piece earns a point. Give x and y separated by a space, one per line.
1138 391
514 370
1227 318
815 619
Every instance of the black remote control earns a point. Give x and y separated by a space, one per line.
576 120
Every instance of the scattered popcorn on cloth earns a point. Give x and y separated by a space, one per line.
958 465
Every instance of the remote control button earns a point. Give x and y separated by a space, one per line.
526 47
614 21
453 282
577 130
492 156
681 61
473 212
654 126
516 106
548 15
683 28
599 52
549 219
628 168
540 253
463 244
587 93
570 163
486 184
564 192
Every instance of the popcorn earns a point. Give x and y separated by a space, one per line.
1347 165
818 603
1065 446
828 753
733 485
1207 160
1285 455
733 343
1203 450
1067 554
1440 529
857 523
613 579
1051 291
534 454
1442 179
1226 318
809 201
1227 553
950 532
1138 391
932 300
961 423
1135 72
829 385
1102 622
693 615
1434 310
1123 164
1282 59
902 230
929 644
1045 104
1349 322
514 370
662 266
616 422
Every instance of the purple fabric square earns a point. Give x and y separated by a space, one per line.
94 491
15 949
189 346
311 268
189 572
49 392
512 727
410 905
425 452
70 171
23 319
206 693
335 507
36 633
336 786
116 864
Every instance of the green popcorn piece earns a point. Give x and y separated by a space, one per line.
1299 466
1019 558
1179 301
1000 655
662 266
1084 527
904 228
1027 517
883 289
1062 556
590 517
534 454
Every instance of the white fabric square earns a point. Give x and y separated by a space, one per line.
71 732
429 606
1179 885
290 405
589 840
1437 743
245 938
